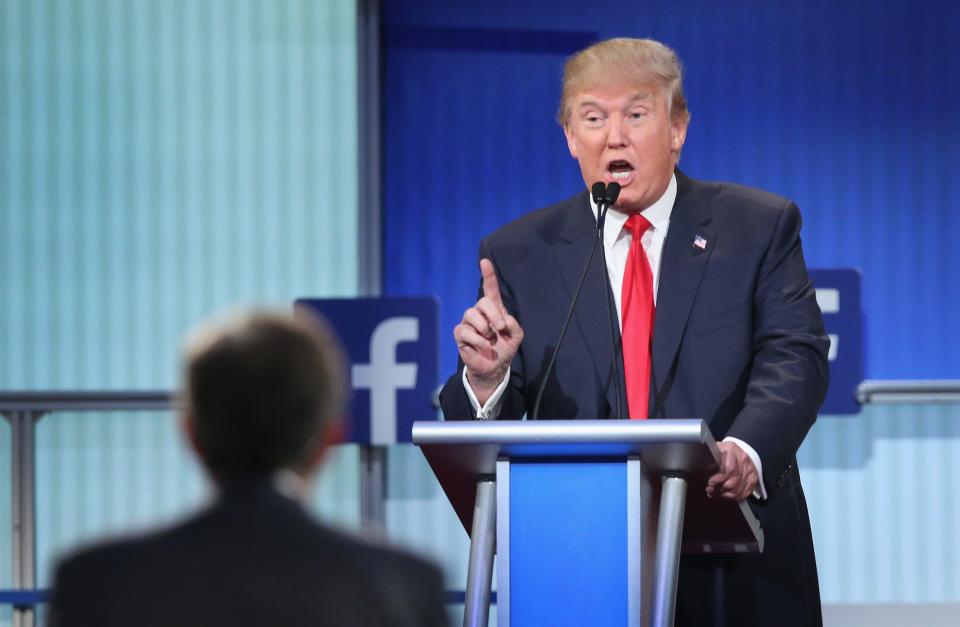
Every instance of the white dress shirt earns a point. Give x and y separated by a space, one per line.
616 247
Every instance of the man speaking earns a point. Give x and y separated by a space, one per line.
699 305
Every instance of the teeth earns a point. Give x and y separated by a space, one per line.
620 175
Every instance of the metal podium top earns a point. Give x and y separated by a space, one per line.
683 446
535 431
462 452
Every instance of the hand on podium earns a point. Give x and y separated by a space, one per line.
488 337
737 478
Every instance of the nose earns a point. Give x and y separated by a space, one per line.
616 134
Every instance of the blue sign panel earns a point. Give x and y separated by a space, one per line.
393 348
838 294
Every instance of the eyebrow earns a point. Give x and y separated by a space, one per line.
636 97
586 104
640 95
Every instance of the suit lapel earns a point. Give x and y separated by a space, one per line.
590 315
686 251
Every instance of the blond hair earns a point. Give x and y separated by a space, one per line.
638 61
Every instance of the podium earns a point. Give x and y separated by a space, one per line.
587 517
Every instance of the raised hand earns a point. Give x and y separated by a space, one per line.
488 337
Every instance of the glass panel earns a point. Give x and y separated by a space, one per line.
102 474
335 495
162 161
420 517
884 506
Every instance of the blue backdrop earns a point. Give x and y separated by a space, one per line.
846 107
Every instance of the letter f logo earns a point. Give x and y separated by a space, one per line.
383 376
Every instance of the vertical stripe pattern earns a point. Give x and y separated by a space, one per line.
160 161
884 504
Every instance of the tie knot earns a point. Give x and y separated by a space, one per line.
637 225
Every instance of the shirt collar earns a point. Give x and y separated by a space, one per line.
658 214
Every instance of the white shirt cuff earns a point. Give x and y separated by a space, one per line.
761 491
491 410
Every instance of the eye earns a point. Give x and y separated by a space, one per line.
593 120
638 115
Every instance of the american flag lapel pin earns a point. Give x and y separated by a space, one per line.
699 242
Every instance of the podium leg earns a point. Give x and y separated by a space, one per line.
673 496
476 611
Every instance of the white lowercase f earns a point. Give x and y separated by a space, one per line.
383 376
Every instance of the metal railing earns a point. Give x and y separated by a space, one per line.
928 391
24 409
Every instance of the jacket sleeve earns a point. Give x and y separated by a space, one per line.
789 374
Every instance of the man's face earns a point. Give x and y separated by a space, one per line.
625 135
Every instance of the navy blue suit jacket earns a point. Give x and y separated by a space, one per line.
738 341
254 557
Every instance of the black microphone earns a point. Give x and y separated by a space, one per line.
610 197
613 192
600 193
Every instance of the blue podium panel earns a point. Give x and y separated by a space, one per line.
568 533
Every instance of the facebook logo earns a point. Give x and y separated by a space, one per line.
838 294
829 300
393 348
384 377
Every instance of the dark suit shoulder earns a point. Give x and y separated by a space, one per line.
376 555
85 579
275 523
510 244
734 197
409 588
753 215
248 555
102 558
547 223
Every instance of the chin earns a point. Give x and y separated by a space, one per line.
627 204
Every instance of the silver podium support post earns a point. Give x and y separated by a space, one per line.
673 497
476 610
373 490
23 512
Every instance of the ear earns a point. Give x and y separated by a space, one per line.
571 140
189 429
678 134
332 434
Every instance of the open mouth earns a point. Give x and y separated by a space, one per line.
619 170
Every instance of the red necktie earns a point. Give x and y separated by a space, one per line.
636 302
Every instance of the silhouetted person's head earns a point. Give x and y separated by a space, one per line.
263 392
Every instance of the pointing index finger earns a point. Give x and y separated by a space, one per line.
491 288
